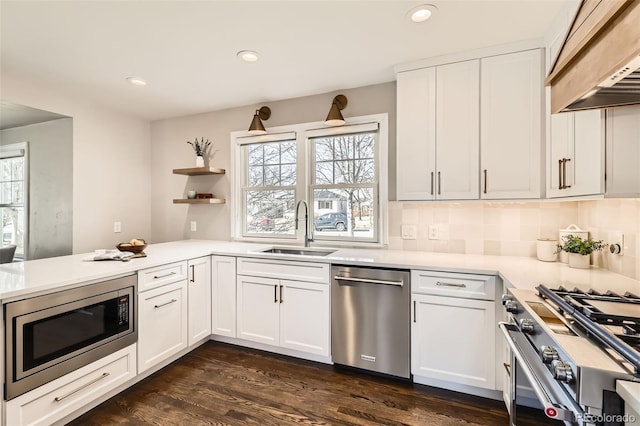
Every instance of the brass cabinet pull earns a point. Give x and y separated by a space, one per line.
275 294
560 162
86 385
484 172
431 183
564 173
439 183
281 299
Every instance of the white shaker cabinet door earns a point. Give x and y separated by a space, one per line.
223 295
258 309
304 317
199 292
623 152
416 134
457 131
454 340
162 325
511 93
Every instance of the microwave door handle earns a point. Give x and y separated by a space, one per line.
562 413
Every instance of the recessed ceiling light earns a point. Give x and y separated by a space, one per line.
422 13
247 55
136 81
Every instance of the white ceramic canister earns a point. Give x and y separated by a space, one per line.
570 230
546 249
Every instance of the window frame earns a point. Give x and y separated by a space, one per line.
303 191
20 149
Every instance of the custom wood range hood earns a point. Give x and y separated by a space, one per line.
599 63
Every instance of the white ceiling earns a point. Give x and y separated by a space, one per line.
186 50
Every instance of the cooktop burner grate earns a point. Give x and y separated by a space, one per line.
609 318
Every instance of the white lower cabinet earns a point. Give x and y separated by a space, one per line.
454 340
292 314
61 397
258 309
162 323
223 296
199 293
453 332
305 317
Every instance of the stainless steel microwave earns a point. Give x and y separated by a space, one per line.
49 336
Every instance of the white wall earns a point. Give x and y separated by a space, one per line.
169 150
111 165
50 185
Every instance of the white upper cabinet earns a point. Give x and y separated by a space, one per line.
575 157
416 134
437 132
623 152
457 131
511 93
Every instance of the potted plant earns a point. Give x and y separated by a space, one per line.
200 147
579 250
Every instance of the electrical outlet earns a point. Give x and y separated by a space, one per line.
194 226
616 243
408 232
117 227
433 232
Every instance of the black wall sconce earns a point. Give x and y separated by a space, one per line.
256 127
335 118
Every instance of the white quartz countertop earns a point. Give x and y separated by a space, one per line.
630 392
19 280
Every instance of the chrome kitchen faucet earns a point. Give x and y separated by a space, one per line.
307 240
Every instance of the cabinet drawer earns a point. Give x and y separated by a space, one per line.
161 275
288 270
468 286
55 400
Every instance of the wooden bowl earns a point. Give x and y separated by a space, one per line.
131 248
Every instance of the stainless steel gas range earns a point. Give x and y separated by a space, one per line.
572 346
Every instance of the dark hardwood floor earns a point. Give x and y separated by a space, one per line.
225 384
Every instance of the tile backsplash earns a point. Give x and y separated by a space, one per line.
512 228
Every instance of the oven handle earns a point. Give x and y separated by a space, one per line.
552 410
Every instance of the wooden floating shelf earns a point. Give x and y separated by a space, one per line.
198 201
198 171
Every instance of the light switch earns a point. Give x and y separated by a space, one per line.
194 226
409 232
433 232
117 227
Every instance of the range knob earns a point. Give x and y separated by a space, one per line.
562 371
506 298
527 325
511 306
549 354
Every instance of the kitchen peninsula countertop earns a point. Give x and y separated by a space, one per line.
24 279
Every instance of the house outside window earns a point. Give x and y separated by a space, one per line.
336 170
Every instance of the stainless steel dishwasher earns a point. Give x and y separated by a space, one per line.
370 319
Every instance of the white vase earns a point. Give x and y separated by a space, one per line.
580 261
199 161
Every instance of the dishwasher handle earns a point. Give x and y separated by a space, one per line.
368 280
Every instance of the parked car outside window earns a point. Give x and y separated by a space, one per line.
337 221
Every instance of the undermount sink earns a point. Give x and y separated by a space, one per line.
298 251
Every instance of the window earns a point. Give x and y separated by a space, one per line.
13 195
336 170
345 171
269 185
